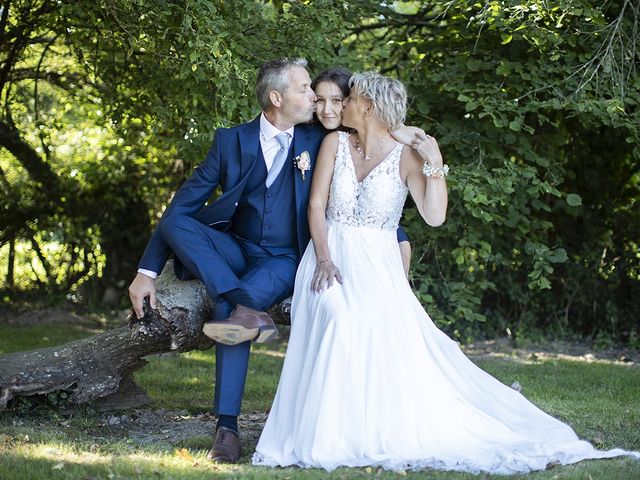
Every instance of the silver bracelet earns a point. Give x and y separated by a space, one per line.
435 172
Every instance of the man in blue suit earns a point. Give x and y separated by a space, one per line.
246 244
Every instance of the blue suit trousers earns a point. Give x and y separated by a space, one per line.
223 261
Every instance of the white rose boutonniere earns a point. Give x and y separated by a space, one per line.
303 163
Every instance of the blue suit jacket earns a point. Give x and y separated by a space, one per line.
229 164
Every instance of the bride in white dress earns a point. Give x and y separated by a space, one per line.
368 379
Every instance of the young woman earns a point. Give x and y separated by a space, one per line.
368 379
332 88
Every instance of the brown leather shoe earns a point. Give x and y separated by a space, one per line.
243 325
226 446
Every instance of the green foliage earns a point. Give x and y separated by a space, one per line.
538 119
125 97
535 106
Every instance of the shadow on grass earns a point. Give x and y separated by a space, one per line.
17 338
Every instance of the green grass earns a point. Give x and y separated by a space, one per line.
16 339
185 381
600 400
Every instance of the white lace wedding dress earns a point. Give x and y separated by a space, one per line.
368 379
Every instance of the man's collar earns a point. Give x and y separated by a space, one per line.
269 131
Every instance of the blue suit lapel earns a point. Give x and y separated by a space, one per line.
249 146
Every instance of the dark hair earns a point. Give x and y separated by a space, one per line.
338 75
272 76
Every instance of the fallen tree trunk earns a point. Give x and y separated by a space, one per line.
99 369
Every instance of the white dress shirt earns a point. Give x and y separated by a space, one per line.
270 147
268 142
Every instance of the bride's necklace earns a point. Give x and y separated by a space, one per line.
373 151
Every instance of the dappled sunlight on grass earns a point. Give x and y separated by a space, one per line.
530 353
62 454
532 358
66 461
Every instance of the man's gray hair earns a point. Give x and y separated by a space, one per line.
273 76
388 96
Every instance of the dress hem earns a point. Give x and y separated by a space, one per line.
515 467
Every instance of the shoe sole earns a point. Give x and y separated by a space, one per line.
235 334
267 334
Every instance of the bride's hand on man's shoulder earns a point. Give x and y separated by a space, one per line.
324 275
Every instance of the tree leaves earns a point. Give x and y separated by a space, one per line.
543 142
536 150
574 200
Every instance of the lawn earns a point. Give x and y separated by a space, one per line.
170 437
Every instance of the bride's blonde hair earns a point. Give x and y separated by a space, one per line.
388 96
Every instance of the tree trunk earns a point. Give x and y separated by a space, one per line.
99 369
11 262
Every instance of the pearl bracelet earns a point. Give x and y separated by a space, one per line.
435 172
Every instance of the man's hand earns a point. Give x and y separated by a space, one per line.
141 287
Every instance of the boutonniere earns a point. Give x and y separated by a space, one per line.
303 163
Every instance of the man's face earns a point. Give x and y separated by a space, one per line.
298 100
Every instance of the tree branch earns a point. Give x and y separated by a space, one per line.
45 263
38 169
3 20
22 34
35 87
63 80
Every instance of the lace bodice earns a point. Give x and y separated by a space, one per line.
375 202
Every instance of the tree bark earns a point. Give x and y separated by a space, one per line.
99 369
11 262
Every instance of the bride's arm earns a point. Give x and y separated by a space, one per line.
429 193
326 271
406 134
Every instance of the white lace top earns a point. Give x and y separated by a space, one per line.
376 202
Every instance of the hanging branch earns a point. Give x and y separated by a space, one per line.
618 50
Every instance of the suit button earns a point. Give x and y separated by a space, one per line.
268 211
269 195
266 227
